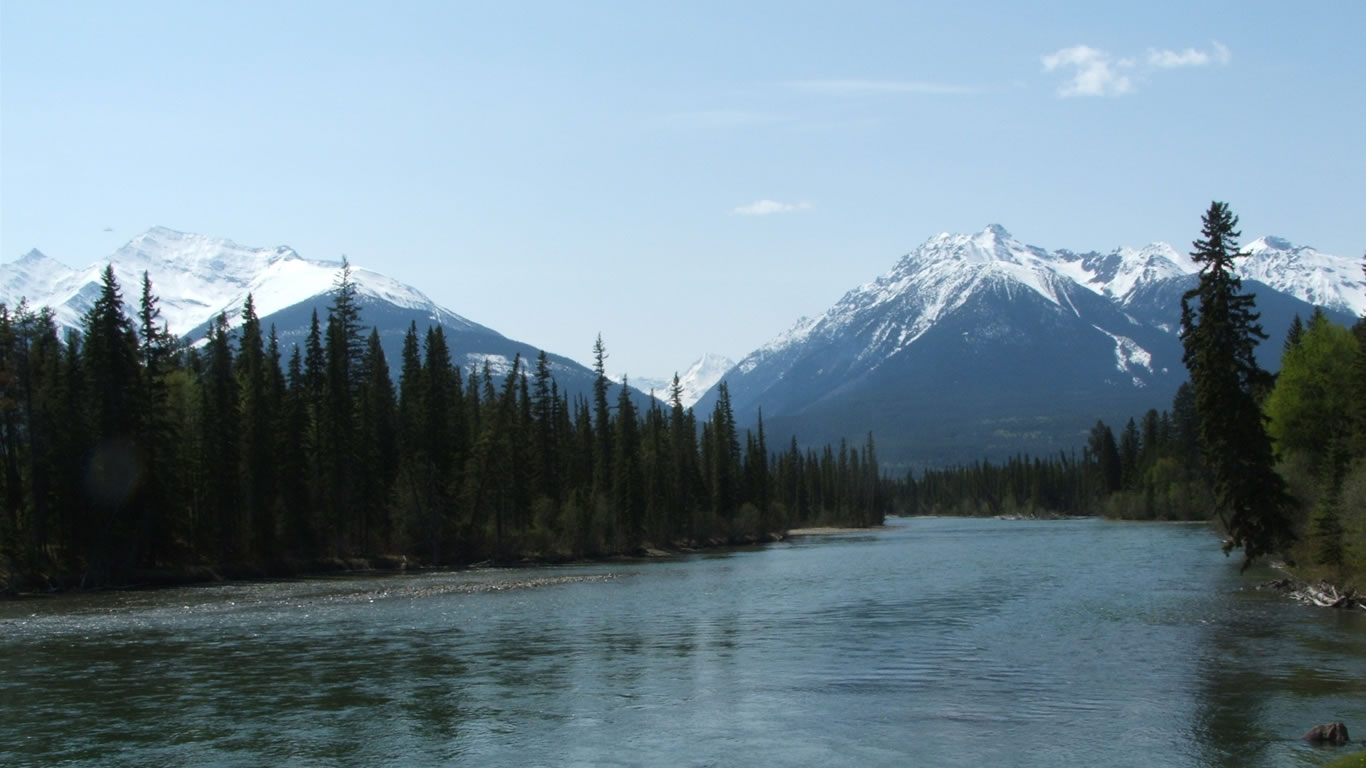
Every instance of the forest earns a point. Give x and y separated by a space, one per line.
128 455
1277 461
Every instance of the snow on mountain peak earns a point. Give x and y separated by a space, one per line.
702 375
198 277
1322 279
693 383
945 271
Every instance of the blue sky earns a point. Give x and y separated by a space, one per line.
682 178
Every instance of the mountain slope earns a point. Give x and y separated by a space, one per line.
976 345
198 277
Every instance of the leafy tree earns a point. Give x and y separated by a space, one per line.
1220 333
1313 391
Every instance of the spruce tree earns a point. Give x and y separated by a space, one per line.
257 459
602 422
114 380
1220 333
628 478
377 436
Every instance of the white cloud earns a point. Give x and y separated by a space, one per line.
1162 59
1096 73
766 207
880 86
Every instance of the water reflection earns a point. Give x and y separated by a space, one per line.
1270 671
936 642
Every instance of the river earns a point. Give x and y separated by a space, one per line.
932 642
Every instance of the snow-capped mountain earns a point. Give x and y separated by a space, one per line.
1324 280
979 343
701 376
198 277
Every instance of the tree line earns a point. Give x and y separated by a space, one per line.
1279 461
124 449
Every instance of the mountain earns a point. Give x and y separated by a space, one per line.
701 376
980 345
198 277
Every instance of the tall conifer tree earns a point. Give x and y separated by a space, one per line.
1220 333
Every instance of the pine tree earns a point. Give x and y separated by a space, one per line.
221 530
544 450
1294 335
628 482
1129 446
602 422
725 468
295 458
1109 467
257 459
345 355
376 436
114 380
1220 333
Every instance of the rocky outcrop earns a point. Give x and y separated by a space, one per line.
1327 733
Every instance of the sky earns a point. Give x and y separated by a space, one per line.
681 178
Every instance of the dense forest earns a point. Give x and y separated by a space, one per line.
1310 419
128 454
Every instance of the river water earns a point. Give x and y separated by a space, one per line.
933 642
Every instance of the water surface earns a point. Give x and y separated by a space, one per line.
934 642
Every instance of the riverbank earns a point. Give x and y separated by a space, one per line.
828 530
288 568
1357 760
1322 594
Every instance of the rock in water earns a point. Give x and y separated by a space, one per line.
1327 733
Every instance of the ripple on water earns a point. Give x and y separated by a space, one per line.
946 643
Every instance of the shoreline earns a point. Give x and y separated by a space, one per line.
829 530
287 569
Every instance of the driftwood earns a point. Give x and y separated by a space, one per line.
1325 595
1322 594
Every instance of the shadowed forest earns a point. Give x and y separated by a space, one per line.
126 452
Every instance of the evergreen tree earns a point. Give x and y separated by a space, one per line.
545 446
1129 446
725 466
628 482
114 380
1109 466
345 358
1220 332
156 432
602 422
221 529
376 437
257 459
1294 335
295 458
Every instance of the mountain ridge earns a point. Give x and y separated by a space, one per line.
985 328
199 277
